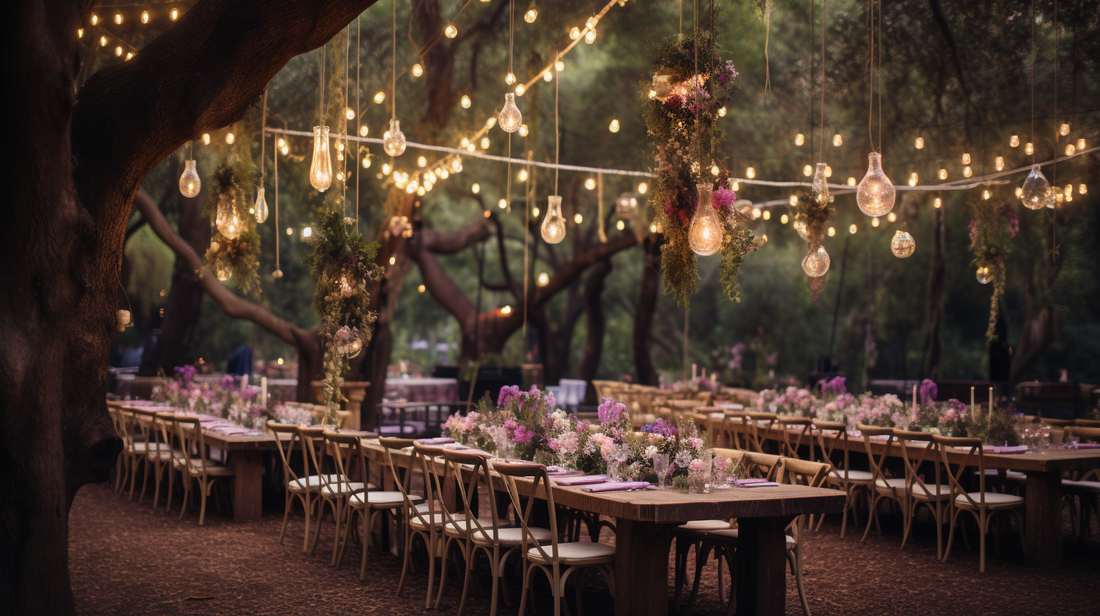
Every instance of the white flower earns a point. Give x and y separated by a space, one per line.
650 452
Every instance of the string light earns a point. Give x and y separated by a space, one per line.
174 14
1063 130
544 279
1082 189
767 215
577 218
967 171
642 187
417 70
102 41
807 171
799 139
874 222
783 219
620 225
614 127
756 213
476 188
485 143
828 171
851 181
523 130
510 78
937 203
590 37
793 200
421 162
913 179
721 112
966 158
145 17
363 130
750 173
590 184
535 211
852 228
118 21
832 231
903 244
1070 149
522 175
450 31
129 55
559 66
837 140
943 174
892 217
465 101
816 263
80 33
229 138
1029 149
1000 163
1014 141
1080 145
875 194
118 52
95 19
574 33
714 170
520 89
986 195
531 15
502 204
919 144
385 168
547 77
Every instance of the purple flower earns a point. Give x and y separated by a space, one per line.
506 395
722 198
610 411
228 382
510 425
185 373
250 392
928 391
836 385
661 427
522 435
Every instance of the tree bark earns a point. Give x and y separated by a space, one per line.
594 324
647 308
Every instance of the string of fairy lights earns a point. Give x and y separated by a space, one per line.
1036 192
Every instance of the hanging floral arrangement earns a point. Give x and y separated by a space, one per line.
815 210
681 108
343 265
994 224
234 248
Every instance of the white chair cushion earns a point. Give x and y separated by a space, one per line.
930 490
512 535
704 525
576 551
312 482
380 499
1081 486
343 488
852 475
897 483
991 498
1009 475
140 447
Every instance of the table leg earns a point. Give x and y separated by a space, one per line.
1043 515
641 567
248 485
762 566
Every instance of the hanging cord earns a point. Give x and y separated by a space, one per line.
527 236
347 105
599 209
1032 19
263 136
1057 133
767 34
880 75
393 67
321 86
821 145
275 164
557 131
358 109
870 72
508 179
810 79
695 86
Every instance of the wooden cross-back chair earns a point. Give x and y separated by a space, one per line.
563 558
761 465
757 435
885 487
981 504
195 463
832 443
427 522
919 451
413 504
796 432
352 482
305 486
1083 493
158 452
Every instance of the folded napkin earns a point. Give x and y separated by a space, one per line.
1088 446
580 481
457 447
752 480
563 474
230 431
618 486
1005 448
766 484
436 441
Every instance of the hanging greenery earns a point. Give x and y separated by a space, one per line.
343 265
815 214
234 248
994 224
681 108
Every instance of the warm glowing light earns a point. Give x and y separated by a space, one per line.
808 170
80 33
129 55
986 195
966 158
379 97
1082 189
520 89
466 101
943 174
705 233
614 127
531 14
937 203
852 229
831 231
793 200
1063 130
913 179
714 170
510 117
756 213
451 31
547 77
620 225
307 231
735 186
543 279
476 188
1029 149
721 112
799 139
838 140
523 130
366 162
874 222
145 17
1019 192
417 70
967 171
892 217
1080 145
118 20
102 41
919 144
189 180
506 310
816 263
393 260
590 37
577 218
320 170
421 289
522 175
1069 146
510 78
750 173
422 162
485 143
174 14
535 211
653 228
553 226
230 138
502 204
851 181
642 187
559 66
590 183
118 52
999 163
95 19
290 230
783 219
385 168
902 245
875 194
1014 141
574 33
767 215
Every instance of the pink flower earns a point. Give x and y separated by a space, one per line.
695 442
695 465
552 443
522 435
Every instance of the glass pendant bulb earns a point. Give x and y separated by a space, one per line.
983 275
1064 130
510 118
189 181
1014 141
394 144
816 262
553 226
260 208
919 144
800 227
320 170
966 158
277 274
1036 189
228 222
705 232
1029 149
820 186
799 139
903 244
875 194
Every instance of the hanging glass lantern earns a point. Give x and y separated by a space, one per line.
189 180
510 118
800 226
903 244
626 205
227 220
705 232
820 186
1036 189
816 262
875 194
260 209
983 275
320 170
394 141
553 225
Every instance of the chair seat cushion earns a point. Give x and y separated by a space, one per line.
896 483
376 499
312 483
164 455
731 533
511 536
576 553
344 488
1009 475
928 490
852 475
141 447
992 499
437 520
704 525
1081 486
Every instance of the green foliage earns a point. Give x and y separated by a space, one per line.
994 224
233 257
736 243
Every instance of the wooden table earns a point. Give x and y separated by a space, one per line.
1043 508
645 521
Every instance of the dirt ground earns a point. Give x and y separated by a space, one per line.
126 558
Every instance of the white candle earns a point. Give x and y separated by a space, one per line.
991 405
704 370
244 381
914 397
971 400
694 371
263 390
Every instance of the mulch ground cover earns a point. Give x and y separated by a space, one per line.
126 558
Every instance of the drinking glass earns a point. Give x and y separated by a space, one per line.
660 466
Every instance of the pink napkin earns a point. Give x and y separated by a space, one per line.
564 474
1005 449
581 481
619 486
755 483
443 440
1088 445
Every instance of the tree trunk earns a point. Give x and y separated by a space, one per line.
594 324
933 342
647 308
182 309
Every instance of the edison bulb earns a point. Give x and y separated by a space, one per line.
1036 189
874 222
590 36
642 187
228 222
937 203
510 118
943 174
705 232
903 244
750 173
320 170
967 171
1080 145
394 144
1029 149
614 127
189 180
590 184
1070 149
379 96
531 14
966 158
816 262
983 275
260 208
1014 141
807 171
451 31
799 139
465 101
523 130
553 226
919 144
1000 163
875 194
544 279
820 186
417 70
913 179
1063 130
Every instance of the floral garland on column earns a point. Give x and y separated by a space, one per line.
687 143
343 265
993 225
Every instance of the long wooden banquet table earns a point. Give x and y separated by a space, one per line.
646 519
1043 496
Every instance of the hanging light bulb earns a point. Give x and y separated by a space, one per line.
943 174
531 14
590 184
228 222
260 208
966 158
320 171
559 66
838 140
95 19
800 228
614 127
874 222
510 118
417 70
816 263
919 144
189 180
553 226
643 187
1000 163
799 139
394 144
379 96
224 273
807 171
451 31
510 78
750 173
547 77
1029 149
465 101
1036 189
1063 130
1082 189
983 275
705 232
590 36
1070 149
875 195
520 89
145 17
484 143
967 171
913 179
118 20
523 130
891 217
1019 193
783 219
903 244
714 170
1080 145
937 203
819 188
1014 141
793 200
851 181
277 274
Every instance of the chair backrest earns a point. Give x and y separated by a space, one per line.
757 434
736 456
347 453
540 487
974 457
1087 434
796 431
471 473
830 436
166 427
1087 423
428 458
918 449
145 421
764 465
793 471
287 440
877 435
189 430
308 437
403 481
